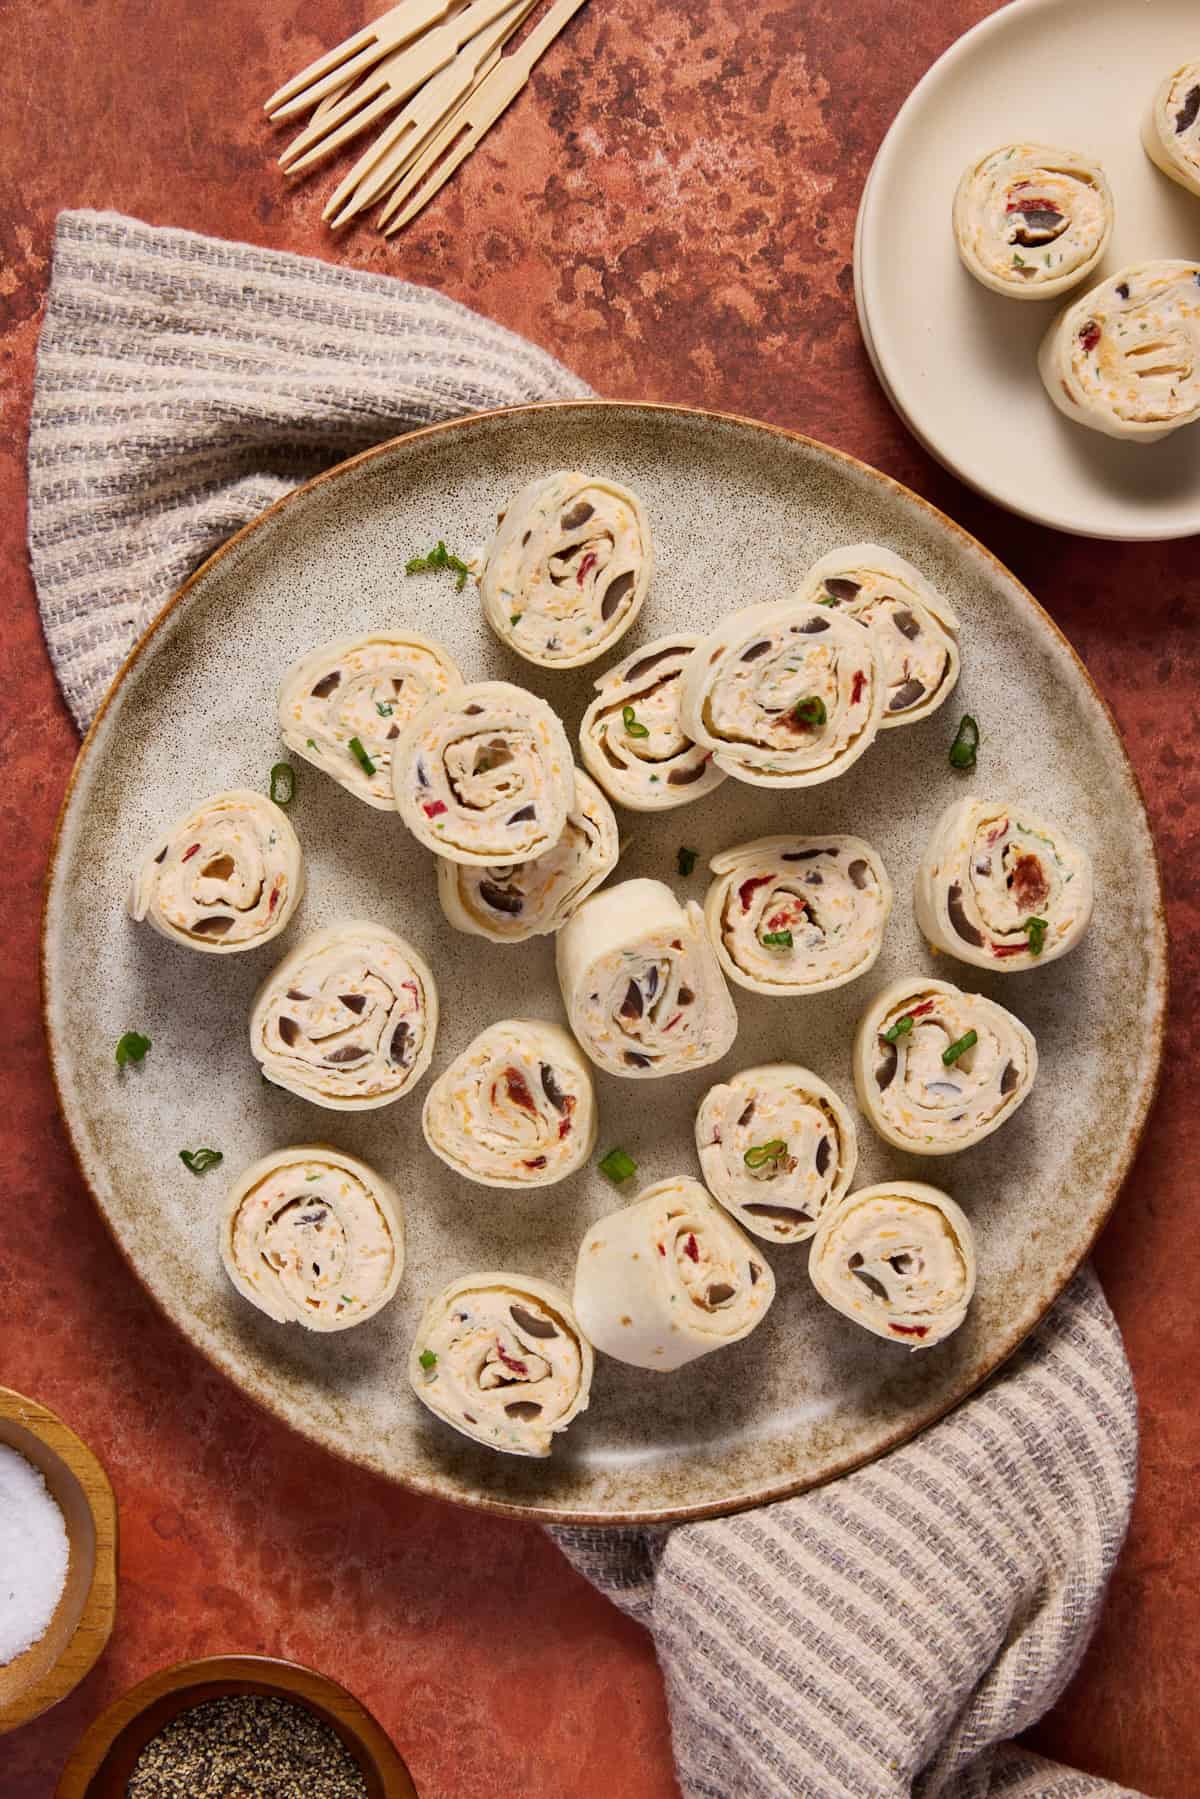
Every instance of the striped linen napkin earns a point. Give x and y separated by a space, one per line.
883 1635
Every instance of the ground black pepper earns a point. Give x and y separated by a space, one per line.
247 1746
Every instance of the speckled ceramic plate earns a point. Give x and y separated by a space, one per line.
738 512
958 362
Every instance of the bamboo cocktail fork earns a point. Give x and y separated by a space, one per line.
444 58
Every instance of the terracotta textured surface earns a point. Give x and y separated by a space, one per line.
670 209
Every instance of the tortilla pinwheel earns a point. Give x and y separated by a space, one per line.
631 736
313 1237
1000 887
1125 358
567 570
484 775
225 877
1171 128
791 915
937 1070
899 1259
669 1278
516 1109
502 1359
348 1019
777 1149
640 981
1031 221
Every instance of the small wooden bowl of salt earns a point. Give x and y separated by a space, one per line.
58 1559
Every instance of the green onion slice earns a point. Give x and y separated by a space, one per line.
131 1047
361 757
778 939
901 1028
283 783
1035 929
427 1359
951 1055
966 742
438 558
759 1154
200 1159
811 711
633 728
617 1166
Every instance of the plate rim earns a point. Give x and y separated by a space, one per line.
480 1500
998 21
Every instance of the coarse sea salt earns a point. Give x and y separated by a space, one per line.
34 1552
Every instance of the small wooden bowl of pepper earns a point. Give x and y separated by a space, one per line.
180 1723
82 1621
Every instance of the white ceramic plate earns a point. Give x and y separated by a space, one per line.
738 512
959 362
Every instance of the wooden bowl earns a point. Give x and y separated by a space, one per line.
83 1619
104 1759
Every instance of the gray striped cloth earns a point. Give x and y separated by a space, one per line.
881 1636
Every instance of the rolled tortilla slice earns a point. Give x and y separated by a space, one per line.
227 876
502 1359
516 1109
631 736
798 914
786 694
510 902
485 775
1171 128
362 692
915 627
1125 358
568 568
914 1097
669 1278
348 1020
641 984
1000 887
777 1148
1031 221
899 1259
313 1237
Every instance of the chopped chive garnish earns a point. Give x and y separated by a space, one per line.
283 783
384 708
312 743
827 600
438 558
759 1154
361 757
427 1359
514 618
966 742
685 860
633 728
346 1300
901 1028
616 1166
200 1159
131 1047
811 711
778 939
951 1055
1035 929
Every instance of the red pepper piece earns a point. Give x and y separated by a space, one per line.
920 1011
538 1162
1034 206
509 1361
563 1128
997 832
1089 337
910 1330
692 1248
747 888
1009 949
589 562
662 1249
433 808
856 691
518 1089
274 899
188 854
